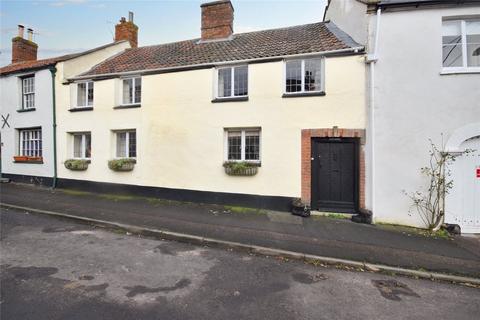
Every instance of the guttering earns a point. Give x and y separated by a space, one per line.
354 50
53 70
371 59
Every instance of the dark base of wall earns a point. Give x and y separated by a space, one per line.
36 180
222 198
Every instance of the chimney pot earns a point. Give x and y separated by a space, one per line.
21 29
217 20
130 16
30 34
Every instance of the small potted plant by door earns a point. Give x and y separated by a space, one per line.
124 164
300 208
243 168
76 164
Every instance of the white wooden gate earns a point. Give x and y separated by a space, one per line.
463 202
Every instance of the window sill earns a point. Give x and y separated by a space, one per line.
26 110
128 106
80 109
303 94
231 99
446 71
251 162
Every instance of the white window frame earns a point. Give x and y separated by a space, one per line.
28 132
134 79
127 143
83 147
243 144
232 79
322 76
464 68
87 85
24 93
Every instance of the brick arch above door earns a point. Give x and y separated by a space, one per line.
306 146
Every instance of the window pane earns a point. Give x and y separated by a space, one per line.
452 44
452 55
127 91
241 81
293 76
31 143
225 82
473 43
77 146
252 145
121 144
88 145
81 92
132 144
90 93
234 145
138 90
313 75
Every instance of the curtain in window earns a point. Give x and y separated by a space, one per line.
81 94
473 43
121 144
127 91
225 82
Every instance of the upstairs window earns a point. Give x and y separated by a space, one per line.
28 92
131 91
82 145
31 142
232 82
303 76
461 43
126 144
243 145
85 94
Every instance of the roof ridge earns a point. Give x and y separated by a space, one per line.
236 34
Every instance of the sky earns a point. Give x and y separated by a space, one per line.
66 26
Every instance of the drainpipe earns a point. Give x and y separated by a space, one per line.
53 70
372 58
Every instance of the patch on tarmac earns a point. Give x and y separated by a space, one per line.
392 289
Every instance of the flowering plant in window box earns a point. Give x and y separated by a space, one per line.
27 159
124 164
243 168
76 164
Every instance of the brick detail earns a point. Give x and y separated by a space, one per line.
217 20
127 30
23 50
306 145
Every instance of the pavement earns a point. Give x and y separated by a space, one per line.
320 236
59 269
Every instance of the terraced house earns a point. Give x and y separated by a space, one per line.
252 118
27 106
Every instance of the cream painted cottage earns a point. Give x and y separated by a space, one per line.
252 118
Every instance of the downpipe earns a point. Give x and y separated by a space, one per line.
53 71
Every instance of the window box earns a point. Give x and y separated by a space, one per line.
243 168
125 164
76 164
28 159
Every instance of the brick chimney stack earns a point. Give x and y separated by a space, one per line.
23 49
217 20
127 30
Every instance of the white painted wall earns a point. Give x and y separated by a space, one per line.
180 132
414 102
10 102
351 16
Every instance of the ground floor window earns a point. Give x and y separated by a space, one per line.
31 142
126 146
243 144
82 145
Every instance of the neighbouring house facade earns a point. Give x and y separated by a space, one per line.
253 119
424 83
27 101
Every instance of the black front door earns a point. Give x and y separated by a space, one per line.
335 174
